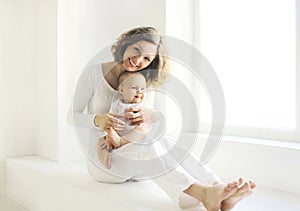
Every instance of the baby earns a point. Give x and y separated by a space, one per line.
132 93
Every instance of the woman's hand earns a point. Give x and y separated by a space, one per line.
135 116
107 121
138 116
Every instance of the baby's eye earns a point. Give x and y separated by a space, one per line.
133 88
143 89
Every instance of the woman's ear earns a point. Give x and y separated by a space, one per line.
121 90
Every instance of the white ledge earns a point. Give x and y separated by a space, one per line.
39 184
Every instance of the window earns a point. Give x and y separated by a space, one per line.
252 47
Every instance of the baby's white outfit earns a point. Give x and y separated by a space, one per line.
119 107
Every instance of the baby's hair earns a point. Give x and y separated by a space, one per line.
125 75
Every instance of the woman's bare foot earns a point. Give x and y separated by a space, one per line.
212 196
242 192
104 155
216 194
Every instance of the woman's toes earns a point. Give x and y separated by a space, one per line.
241 182
252 184
245 187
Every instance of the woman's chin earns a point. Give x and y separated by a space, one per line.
130 69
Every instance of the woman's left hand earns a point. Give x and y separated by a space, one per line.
138 116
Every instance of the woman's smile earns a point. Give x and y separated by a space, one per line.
132 63
139 55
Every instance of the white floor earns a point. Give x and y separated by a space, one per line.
262 200
6 205
265 199
53 186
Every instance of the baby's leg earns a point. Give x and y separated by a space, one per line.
104 155
113 138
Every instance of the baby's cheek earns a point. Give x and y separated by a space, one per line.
132 92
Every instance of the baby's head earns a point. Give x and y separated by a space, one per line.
132 87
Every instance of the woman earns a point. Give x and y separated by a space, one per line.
141 50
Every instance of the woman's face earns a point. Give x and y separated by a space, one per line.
139 55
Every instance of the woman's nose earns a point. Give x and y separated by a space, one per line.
138 59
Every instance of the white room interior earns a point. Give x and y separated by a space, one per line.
46 44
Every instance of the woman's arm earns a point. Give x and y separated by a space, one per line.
86 86
82 96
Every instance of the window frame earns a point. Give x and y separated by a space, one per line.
263 133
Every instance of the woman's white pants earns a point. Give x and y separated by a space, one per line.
172 182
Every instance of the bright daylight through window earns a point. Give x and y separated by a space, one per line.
252 47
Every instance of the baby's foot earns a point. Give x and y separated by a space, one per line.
103 154
242 193
214 195
113 138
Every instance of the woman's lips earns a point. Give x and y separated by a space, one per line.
132 64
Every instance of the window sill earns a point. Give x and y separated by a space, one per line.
263 142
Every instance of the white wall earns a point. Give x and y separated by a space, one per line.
270 164
44 46
46 79
84 28
17 80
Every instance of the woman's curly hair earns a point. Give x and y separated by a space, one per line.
155 73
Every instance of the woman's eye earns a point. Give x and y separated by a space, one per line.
147 59
137 50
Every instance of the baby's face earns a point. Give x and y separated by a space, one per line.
133 88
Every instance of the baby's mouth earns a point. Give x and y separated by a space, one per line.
137 98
